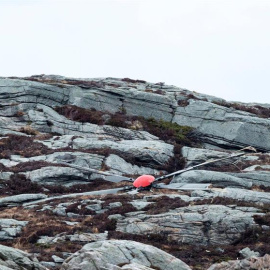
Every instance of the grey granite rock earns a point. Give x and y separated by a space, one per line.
48 264
118 165
197 225
139 98
151 151
22 198
257 263
140 204
247 253
255 177
93 161
217 178
57 259
255 197
224 126
256 167
195 156
60 124
57 176
11 258
78 237
10 228
113 254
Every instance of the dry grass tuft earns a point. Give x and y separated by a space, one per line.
29 130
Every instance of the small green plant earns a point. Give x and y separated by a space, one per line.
170 131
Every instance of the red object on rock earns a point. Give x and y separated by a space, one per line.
144 181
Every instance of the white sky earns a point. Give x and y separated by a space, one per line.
217 47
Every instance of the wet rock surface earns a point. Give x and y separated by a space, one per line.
61 216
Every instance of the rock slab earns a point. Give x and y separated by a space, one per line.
122 254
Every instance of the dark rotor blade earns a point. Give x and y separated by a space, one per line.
184 186
249 148
88 193
118 178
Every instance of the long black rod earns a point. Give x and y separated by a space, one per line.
206 162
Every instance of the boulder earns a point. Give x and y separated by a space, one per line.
247 253
122 254
11 258
10 228
57 176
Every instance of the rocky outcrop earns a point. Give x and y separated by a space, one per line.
196 156
121 254
22 198
216 178
199 225
224 126
60 125
57 176
82 237
212 121
10 228
255 263
11 258
236 194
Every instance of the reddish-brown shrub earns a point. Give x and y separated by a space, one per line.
132 81
81 115
22 145
19 184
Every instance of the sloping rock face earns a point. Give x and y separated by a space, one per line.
117 254
51 125
217 124
11 258
224 126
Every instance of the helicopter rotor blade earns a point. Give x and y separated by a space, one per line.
117 178
249 148
73 195
185 186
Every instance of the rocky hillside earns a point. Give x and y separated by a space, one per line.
55 216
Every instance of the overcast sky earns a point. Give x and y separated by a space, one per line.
217 47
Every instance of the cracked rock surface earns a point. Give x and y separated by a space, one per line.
121 254
67 217
199 225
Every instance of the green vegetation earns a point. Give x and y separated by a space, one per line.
169 131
